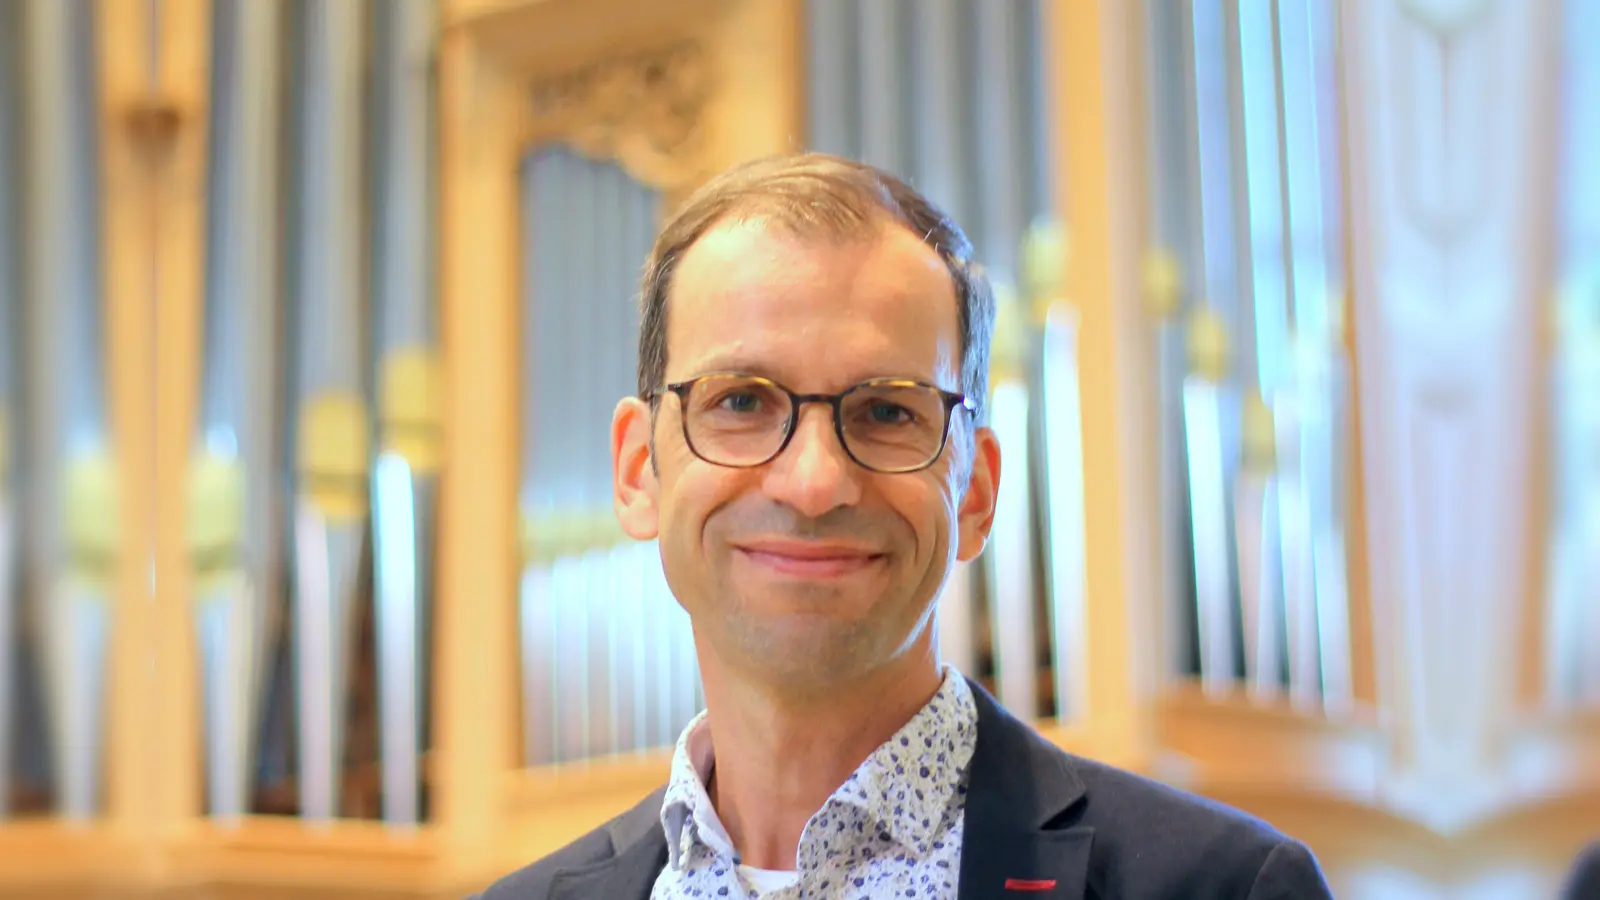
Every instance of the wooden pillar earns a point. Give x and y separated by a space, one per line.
175 122
1096 92
474 697
756 109
127 207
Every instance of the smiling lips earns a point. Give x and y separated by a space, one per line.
809 559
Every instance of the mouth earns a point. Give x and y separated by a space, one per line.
809 559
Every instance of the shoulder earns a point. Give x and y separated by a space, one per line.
1146 839
1584 881
1158 835
1121 799
532 882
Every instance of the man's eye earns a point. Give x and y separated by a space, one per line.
884 413
740 402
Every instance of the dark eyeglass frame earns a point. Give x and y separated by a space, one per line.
952 401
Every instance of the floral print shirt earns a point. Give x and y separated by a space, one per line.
893 829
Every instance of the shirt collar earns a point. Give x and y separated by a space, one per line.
906 784
909 781
687 816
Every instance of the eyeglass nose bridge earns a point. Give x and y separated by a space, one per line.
797 403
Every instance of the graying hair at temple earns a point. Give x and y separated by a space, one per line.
816 194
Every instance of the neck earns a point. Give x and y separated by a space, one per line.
779 756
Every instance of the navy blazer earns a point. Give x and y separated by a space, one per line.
1033 813
1584 882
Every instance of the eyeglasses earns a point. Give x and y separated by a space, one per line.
887 425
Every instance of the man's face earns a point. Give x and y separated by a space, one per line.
807 570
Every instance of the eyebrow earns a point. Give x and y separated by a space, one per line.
732 358
762 371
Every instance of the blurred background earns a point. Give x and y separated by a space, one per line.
313 314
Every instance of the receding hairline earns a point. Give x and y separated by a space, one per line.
825 224
809 195
813 196
868 231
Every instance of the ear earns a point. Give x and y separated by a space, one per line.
634 487
975 515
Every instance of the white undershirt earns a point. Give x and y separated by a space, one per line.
767 881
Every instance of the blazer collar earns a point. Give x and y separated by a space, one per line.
1019 842
639 848
1023 800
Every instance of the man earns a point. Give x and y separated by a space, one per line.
808 449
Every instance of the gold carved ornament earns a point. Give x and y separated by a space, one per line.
645 111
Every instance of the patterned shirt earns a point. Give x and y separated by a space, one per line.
892 829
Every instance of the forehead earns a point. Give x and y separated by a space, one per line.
813 311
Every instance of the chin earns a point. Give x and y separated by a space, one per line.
799 672
809 648
788 610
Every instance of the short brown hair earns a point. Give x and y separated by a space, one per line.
830 196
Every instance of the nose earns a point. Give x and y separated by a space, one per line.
813 475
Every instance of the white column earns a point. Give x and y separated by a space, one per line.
1001 163
72 512
1447 141
834 95
332 502
236 472
940 102
1213 248
882 88
10 350
1572 624
404 484
543 183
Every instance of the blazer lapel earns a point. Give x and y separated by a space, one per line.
1020 839
629 875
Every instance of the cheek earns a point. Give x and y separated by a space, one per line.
928 507
689 501
681 526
